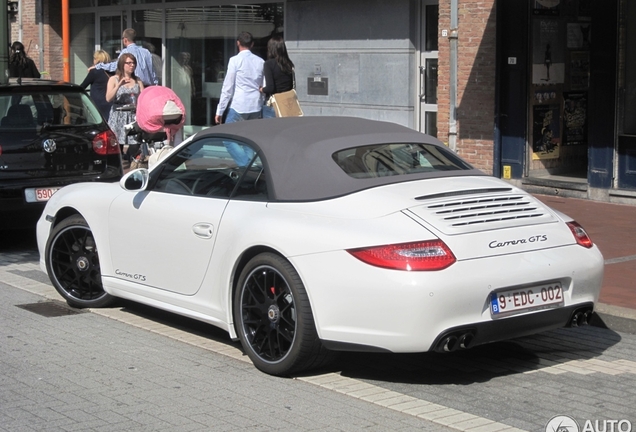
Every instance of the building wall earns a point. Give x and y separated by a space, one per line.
54 63
30 30
475 79
47 55
363 48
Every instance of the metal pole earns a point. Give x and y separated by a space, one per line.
66 42
452 116
4 44
20 34
41 35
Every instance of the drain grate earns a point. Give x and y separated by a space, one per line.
49 309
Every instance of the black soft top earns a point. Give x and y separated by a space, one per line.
297 153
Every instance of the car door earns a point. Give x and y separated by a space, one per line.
163 237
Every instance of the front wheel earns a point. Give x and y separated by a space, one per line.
273 318
72 263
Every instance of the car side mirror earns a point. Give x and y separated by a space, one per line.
135 180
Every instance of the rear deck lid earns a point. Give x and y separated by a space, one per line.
486 217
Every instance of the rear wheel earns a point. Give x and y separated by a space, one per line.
72 263
273 318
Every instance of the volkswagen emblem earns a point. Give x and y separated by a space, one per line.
49 145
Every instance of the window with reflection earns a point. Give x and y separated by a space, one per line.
82 29
397 159
212 167
199 43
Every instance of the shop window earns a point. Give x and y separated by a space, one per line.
199 44
560 73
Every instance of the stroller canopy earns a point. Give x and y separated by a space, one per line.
160 109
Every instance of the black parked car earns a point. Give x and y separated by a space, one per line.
51 135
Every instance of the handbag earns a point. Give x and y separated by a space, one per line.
158 155
286 104
139 162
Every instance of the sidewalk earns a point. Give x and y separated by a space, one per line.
613 228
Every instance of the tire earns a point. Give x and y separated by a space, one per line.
273 318
72 263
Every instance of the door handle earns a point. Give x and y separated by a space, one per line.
422 94
203 230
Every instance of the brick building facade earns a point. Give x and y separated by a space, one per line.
476 74
41 29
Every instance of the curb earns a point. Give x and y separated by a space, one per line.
617 311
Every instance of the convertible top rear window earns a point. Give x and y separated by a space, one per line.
396 159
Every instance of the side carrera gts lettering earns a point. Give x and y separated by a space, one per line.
499 244
135 276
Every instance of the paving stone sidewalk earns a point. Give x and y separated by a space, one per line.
85 372
146 372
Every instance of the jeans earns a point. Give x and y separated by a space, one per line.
268 112
241 154
233 116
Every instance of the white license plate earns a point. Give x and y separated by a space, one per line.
39 194
523 299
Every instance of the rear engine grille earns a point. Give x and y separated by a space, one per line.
470 214
485 210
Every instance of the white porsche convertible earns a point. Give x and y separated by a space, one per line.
305 236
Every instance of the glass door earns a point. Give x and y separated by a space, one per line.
108 33
429 54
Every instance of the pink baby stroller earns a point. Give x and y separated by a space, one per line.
160 115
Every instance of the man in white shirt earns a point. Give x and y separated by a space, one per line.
241 90
241 85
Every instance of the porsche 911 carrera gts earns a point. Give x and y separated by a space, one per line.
306 236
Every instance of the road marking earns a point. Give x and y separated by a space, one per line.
620 259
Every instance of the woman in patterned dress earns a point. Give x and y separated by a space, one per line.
123 89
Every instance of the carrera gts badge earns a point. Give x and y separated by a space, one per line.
49 145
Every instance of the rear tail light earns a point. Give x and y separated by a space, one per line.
417 256
580 235
105 143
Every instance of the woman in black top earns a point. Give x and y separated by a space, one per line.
98 80
20 65
278 71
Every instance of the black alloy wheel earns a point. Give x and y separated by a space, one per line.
273 317
72 262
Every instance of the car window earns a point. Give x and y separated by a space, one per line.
211 167
397 159
30 110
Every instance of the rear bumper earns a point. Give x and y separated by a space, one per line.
471 335
468 336
16 212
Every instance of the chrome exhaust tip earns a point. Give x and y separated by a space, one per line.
449 344
577 319
465 340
